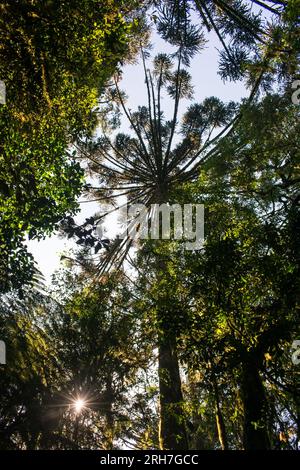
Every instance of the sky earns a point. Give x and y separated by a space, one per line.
206 83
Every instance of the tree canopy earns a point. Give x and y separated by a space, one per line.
140 343
55 60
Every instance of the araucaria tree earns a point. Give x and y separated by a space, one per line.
145 344
147 166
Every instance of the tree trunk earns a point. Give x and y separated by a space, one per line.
172 429
255 406
297 403
221 429
108 401
222 435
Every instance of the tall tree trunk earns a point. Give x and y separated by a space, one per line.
172 426
172 429
222 435
297 403
255 406
221 429
108 401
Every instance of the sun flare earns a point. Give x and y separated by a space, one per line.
79 404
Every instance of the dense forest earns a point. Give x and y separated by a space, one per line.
150 342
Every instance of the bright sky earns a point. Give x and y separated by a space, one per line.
206 83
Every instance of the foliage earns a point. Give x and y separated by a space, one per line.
176 349
258 39
55 60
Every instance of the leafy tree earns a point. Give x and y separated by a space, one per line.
39 183
59 56
147 167
55 59
31 372
78 342
216 324
234 303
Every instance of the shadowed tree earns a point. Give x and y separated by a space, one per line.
147 165
55 59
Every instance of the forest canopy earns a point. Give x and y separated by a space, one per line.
150 343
